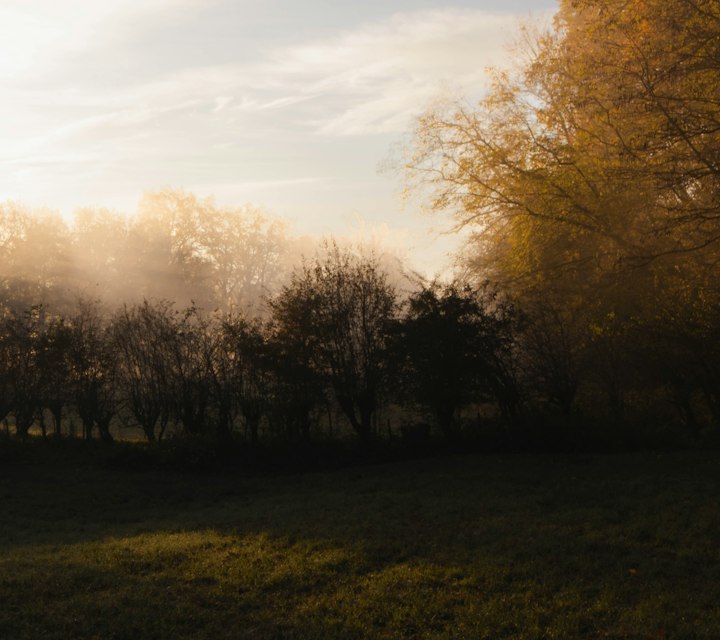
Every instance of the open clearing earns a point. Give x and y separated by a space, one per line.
476 546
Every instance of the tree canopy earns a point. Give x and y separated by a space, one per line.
599 152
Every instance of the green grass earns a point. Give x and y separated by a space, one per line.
525 546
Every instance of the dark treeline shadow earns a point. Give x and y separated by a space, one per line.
342 357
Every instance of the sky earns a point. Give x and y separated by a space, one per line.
296 107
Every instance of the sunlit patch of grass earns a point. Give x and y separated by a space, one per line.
471 547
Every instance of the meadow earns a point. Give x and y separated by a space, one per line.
523 546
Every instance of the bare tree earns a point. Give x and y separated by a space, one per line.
351 307
93 370
141 335
23 334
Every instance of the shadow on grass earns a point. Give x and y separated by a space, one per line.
475 546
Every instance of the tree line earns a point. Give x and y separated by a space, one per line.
176 247
585 303
343 353
588 181
336 342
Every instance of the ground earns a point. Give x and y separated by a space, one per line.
474 546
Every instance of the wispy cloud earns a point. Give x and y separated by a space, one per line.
371 79
266 184
122 119
102 100
375 78
49 160
37 34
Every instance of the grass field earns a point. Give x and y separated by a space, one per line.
524 546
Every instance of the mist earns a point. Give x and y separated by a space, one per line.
174 247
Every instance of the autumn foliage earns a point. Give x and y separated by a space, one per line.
587 309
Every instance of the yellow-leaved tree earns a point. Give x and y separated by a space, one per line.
600 150
590 178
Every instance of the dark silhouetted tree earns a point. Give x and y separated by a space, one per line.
351 308
94 368
142 335
53 362
453 346
297 366
23 334
254 376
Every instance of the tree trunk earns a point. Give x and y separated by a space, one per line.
23 422
88 424
224 427
57 419
446 421
362 425
305 427
366 422
104 428
253 425
149 429
164 420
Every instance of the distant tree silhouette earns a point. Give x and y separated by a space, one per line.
451 349
142 335
188 376
225 258
297 366
23 333
351 307
54 365
255 366
94 370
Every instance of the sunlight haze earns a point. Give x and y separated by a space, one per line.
292 107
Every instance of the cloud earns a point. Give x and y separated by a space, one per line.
121 120
102 100
221 102
367 80
44 160
37 34
374 79
262 184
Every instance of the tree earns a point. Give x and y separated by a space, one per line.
254 370
602 151
54 365
94 370
350 308
186 345
452 346
224 373
22 335
294 341
589 178
34 258
7 356
104 260
554 344
226 258
141 335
